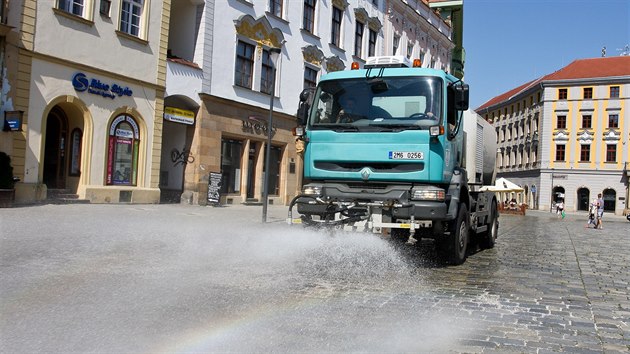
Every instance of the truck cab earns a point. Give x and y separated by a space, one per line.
383 150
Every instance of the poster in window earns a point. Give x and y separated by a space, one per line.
75 153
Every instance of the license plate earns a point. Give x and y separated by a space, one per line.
406 155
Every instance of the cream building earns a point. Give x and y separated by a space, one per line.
219 77
566 136
88 77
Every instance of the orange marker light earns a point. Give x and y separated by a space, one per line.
354 66
417 63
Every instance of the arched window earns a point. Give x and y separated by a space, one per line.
609 199
122 151
583 196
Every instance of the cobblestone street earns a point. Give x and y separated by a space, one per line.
170 278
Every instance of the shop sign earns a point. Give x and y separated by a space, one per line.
179 115
81 83
257 125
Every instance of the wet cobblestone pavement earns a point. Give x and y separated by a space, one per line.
163 279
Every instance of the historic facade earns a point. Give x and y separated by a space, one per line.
221 75
84 85
565 136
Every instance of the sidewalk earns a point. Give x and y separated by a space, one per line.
581 215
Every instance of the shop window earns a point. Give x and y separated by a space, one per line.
609 196
231 153
275 159
75 152
122 158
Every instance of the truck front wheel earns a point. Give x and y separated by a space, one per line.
455 245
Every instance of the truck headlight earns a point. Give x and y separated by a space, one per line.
435 194
312 190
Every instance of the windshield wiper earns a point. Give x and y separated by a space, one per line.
346 128
396 127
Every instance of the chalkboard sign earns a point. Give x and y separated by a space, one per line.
214 187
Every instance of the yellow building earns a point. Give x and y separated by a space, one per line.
565 136
83 88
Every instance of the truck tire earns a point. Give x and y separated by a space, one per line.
453 248
489 237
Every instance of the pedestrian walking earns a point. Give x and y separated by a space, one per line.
600 212
592 214
560 209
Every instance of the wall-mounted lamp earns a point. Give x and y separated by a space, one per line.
13 121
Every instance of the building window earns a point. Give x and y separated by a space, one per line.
613 121
614 91
562 94
375 2
560 150
131 17
266 77
588 93
335 31
611 153
561 122
395 44
310 77
585 153
231 153
358 39
309 15
244 64
586 121
75 7
275 7
123 146
273 182
409 50
372 43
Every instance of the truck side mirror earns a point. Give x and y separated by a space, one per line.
304 107
461 97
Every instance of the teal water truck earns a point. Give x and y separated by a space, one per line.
391 149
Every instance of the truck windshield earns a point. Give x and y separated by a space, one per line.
386 103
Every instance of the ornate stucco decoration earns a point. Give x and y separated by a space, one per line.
313 55
341 4
259 30
361 15
561 135
334 64
612 135
375 24
585 137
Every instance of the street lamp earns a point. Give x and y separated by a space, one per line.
274 54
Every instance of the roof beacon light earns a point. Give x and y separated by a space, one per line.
354 66
417 63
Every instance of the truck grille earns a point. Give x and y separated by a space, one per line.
393 167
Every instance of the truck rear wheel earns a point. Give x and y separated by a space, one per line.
489 237
454 248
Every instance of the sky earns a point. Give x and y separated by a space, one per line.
511 42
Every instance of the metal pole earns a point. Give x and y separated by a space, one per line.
268 148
